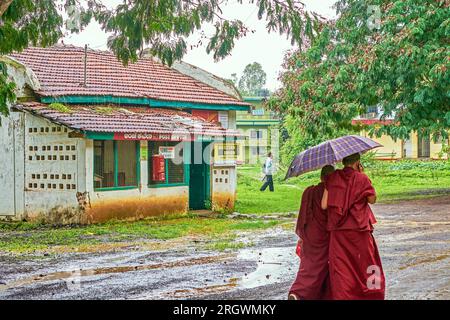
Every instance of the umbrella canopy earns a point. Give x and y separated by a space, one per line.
329 152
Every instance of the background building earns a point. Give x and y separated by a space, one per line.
259 127
416 147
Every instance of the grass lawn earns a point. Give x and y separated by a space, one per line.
392 180
28 237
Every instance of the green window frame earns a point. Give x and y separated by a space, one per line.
166 183
116 168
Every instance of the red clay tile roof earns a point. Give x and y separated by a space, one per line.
114 119
60 70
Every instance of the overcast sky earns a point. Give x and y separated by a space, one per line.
266 48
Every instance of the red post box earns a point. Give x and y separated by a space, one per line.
158 168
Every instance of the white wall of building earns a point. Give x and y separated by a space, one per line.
12 137
12 162
223 186
54 170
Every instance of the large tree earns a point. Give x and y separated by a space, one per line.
253 79
391 54
161 26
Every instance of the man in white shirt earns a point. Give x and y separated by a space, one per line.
268 171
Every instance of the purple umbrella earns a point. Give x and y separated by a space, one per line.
329 152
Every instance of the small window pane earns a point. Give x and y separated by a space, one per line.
103 164
126 151
175 166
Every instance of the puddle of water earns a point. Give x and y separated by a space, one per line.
61 275
273 265
195 292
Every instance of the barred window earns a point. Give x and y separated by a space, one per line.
173 161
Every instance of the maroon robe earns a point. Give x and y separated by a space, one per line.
312 282
355 265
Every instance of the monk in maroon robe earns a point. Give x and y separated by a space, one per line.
355 265
312 282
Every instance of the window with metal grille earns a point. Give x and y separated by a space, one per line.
173 162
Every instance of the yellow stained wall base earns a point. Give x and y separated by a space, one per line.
134 208
223 200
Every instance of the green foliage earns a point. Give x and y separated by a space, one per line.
28 22
401 65
104 110
160 26
6 91
25 23
253 79
163 26
368 159
208 204
420 165
301 135
445 151
59 107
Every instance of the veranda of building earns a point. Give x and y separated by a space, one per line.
90 140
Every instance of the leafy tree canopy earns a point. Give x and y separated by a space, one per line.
161 26
391 54
253 79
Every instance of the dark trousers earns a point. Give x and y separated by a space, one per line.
269 182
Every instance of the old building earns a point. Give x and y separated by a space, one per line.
416 147
90 140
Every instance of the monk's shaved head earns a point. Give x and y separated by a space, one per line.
326 171
351 159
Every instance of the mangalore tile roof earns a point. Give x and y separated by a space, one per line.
60 70
115 119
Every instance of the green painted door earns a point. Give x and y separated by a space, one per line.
199 177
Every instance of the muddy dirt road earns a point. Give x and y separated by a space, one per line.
413 238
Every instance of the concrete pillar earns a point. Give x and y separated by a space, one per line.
144 165
89 164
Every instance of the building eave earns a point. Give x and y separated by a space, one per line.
80 99
267 122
